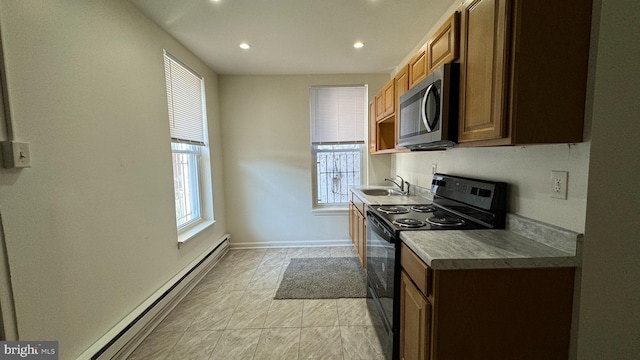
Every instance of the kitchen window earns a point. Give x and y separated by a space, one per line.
186 182
189 148
338 116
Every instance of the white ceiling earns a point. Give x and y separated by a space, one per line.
297 36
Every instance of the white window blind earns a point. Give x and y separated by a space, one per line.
184 93
337 114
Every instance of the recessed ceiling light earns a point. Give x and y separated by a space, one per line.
245 46
358 44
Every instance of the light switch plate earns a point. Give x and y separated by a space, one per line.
15 154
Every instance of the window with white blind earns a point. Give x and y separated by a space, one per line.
189 148
338 118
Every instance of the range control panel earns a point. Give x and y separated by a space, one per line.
483 194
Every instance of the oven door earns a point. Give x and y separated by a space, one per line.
381 279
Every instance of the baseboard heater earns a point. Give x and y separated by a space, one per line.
135 331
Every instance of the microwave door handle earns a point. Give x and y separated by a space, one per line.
425 121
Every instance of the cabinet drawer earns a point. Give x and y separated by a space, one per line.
419 272
358 204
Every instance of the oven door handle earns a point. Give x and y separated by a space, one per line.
381 228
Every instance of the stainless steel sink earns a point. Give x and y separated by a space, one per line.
381 192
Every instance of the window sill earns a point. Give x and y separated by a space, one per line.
190 232
329 211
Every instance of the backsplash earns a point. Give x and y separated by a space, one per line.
527 170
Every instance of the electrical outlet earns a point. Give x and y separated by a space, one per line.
559 184
15 154
434 168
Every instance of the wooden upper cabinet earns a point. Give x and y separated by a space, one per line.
483 70
372 127
443 47
402 86
417 68
402 82
385 101
523 71
379 105
389 98
385 120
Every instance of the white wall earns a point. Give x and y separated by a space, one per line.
527 169
90 227
610 303
268 159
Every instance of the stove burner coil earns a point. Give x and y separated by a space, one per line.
424 208
393 210
445 221
409 223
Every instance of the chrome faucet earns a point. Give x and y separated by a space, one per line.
401 185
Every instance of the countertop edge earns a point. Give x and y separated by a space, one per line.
422 198
444 262
496 263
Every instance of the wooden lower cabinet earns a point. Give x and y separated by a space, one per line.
361 238
351 222
481 314
415 323
358 228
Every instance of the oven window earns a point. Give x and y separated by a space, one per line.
381 270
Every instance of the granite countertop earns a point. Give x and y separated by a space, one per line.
525 243
422 197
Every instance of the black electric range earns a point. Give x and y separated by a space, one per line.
459 203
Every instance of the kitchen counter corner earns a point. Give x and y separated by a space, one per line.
485 249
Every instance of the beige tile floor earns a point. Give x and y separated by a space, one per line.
231 314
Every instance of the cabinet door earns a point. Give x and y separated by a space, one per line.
389 98
380 105
415 321
402 85
352 223
363 244
417 68
360 237
444 45
372 127
483 70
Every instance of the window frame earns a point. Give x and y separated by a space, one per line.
342 207
203 170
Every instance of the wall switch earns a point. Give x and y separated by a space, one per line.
434 168
15 154
559 184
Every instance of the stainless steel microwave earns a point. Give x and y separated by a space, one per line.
429 111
